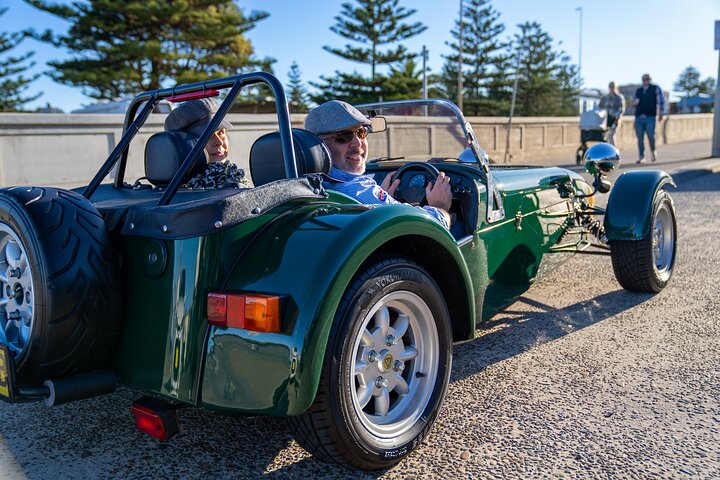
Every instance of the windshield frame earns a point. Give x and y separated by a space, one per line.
495 210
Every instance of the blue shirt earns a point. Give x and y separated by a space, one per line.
366 190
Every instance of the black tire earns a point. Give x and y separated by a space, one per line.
646 265
579 154
60 290
337 428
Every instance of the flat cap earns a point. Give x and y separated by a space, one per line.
334 116
194 114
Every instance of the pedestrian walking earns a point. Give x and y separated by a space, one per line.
614 104
649 103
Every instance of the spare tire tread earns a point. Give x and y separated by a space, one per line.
76 281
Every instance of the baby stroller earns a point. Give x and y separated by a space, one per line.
593 128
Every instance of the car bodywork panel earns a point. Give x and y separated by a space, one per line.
630 203
308 254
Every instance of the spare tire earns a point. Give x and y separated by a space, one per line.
60 299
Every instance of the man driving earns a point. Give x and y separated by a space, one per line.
344 130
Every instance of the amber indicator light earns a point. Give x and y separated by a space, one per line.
256 312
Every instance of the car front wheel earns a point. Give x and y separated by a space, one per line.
646 265
386 369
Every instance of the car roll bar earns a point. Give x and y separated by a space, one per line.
150 99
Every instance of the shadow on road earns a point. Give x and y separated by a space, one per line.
96 438
513 332
704 181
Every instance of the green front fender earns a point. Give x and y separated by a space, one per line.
629 208
310 260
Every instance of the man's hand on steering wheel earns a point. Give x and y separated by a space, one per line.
390 185
438 195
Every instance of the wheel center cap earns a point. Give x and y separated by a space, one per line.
386 361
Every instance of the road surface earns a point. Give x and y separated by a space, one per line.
577 379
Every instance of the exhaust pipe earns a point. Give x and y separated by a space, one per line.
79 387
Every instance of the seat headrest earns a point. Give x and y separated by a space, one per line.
266 157
165 152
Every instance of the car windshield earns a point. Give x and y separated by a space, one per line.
419 131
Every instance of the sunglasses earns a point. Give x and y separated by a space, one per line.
346 136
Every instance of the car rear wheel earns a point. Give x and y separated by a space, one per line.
646 265
386 369
60 297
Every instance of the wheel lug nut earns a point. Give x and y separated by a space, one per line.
390 340
372 356
398 366
381 382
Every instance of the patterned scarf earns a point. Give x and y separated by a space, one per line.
219 175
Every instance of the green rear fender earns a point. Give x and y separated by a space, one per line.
310 260
629 207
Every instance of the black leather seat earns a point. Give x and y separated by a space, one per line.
165 152
266 157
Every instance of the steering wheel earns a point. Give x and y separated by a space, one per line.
408 191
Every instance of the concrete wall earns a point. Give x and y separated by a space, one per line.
67 149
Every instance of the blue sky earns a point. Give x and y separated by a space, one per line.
621 39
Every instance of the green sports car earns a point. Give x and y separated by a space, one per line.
289 298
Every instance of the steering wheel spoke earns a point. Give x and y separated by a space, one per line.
413 194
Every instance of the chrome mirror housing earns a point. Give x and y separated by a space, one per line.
601 158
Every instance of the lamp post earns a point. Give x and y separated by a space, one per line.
579 9
460 60
580 106
424 67
716 118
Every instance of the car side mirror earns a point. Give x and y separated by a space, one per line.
378 124
601 158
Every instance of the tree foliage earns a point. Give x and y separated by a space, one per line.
375 25
350 87
547 83
298 94
118 48
404 81
12 82
690 84
486 89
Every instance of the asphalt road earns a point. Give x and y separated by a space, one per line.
577 379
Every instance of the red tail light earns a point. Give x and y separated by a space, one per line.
260 313
154 417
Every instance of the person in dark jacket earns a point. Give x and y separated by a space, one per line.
649 103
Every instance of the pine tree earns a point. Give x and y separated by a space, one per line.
690 84
12 82
403 83
373 24
124 47
349 87
569 83
484 59
539 84
298 95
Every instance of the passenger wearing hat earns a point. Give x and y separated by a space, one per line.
215 171
344 130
